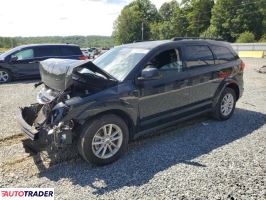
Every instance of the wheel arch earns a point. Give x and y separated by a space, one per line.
235 87
120 113
230 84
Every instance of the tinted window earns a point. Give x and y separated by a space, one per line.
166 60
70 51
24 54
45 51
198 55
222 54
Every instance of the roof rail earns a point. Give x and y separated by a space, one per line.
195 38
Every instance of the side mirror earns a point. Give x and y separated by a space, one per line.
149 73
13 59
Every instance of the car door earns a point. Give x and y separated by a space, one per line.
160 100
24 62
203 82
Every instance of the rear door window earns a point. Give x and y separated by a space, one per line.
47 51
198 55
222 54
70 51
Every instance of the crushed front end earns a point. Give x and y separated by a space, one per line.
43 121
51 120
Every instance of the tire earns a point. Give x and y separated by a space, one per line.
220 112
5 76
93 132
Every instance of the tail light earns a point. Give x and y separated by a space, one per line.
83 57
242 66
223 74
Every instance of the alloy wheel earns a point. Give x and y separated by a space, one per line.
227 104
3 76
107 141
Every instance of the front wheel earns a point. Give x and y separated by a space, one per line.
103 140
225 107
5 76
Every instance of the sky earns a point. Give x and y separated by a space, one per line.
60 17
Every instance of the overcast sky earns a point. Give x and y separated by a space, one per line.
60 17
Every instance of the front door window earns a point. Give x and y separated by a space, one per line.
24 54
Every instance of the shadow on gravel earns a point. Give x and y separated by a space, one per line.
147 157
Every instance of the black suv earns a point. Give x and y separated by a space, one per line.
129 91
23 61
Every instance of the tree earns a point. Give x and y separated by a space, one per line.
7 42
128 26
246 37
233 17
263 38
175 25
199 15
168 9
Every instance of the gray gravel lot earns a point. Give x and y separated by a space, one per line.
199 159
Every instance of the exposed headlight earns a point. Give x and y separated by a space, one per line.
46 95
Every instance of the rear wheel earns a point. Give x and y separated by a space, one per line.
5 76
103 140
225 107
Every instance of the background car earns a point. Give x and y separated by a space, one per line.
88 53
23 61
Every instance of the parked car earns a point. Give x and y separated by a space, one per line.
23 61
132 90
88 53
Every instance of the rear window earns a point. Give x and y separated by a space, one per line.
198 55
45 51
70 50
223 54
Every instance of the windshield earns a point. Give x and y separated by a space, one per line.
119 61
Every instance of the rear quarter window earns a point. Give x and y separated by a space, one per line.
198 55
70 51
223 54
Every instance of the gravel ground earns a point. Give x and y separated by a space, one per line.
200 159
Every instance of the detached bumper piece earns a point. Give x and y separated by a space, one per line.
26 122
34 115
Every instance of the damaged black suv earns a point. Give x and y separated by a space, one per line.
131 90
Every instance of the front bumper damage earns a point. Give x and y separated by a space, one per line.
36 123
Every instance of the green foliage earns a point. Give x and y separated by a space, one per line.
246 37
233 17
7 42
168 10
211 32
128 26
174 26
263 38
82 41
198 13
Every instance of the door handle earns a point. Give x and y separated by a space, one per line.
33 62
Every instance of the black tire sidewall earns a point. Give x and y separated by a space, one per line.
218 113
88 132
9 75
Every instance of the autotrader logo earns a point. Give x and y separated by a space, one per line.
27 193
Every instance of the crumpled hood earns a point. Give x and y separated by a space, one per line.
56 73
60 74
